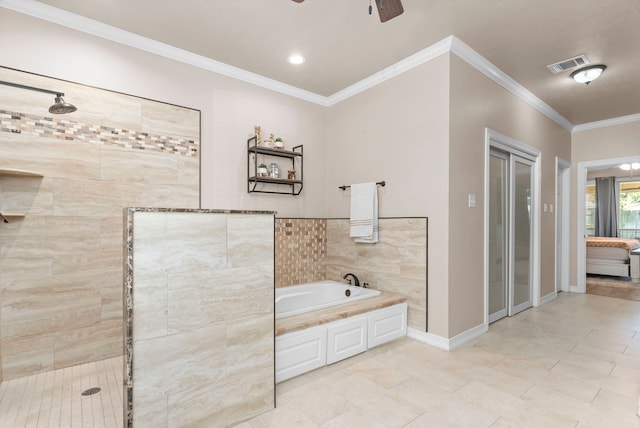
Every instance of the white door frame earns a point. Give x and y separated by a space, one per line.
513 159
508 144
581 250
507 255
563 225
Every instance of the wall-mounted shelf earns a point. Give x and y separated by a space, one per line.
266 184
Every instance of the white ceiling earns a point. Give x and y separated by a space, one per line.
344 45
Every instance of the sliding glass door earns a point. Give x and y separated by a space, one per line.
509 234
498 235
522 179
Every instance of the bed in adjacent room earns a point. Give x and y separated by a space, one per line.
609 256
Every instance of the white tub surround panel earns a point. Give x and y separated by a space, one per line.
304 350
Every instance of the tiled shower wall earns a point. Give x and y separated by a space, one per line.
398 263
309 250
61 263
199 317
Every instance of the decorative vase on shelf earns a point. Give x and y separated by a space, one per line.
268 142
262 170
274 171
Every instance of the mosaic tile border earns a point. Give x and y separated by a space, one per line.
64 129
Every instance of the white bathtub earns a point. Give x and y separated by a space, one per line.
298 299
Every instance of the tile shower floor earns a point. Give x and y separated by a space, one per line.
54 399
574 362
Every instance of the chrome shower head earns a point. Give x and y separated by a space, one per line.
61 107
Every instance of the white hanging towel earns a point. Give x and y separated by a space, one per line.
363 226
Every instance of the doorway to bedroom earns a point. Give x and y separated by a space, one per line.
510 225
612 229
608 274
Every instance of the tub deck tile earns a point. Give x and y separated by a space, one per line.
327 315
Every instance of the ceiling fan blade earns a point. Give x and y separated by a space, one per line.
388 9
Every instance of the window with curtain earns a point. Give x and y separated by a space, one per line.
590 209
628 209
607 203
629 217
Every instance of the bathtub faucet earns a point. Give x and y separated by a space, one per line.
355 279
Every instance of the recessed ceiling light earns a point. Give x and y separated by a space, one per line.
296 59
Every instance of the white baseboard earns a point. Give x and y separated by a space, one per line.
466 336
428 338
549 297
575 289
444 343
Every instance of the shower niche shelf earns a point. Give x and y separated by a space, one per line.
261 184
15 173
8 172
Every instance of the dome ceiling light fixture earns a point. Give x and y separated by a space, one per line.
59 107
630 166
588 74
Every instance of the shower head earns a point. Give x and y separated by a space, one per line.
60 106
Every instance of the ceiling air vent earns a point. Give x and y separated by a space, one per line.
567 64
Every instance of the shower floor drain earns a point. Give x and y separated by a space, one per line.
91 391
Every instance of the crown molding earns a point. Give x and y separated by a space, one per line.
607 122
484 66
449 44
402 66
109 32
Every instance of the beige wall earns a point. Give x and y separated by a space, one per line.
199 318
423 132
477 103
398 132
229 108
611 142
606 143
403 131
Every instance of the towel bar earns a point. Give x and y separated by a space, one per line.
379 183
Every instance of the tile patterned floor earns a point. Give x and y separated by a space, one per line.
574 362
54 399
